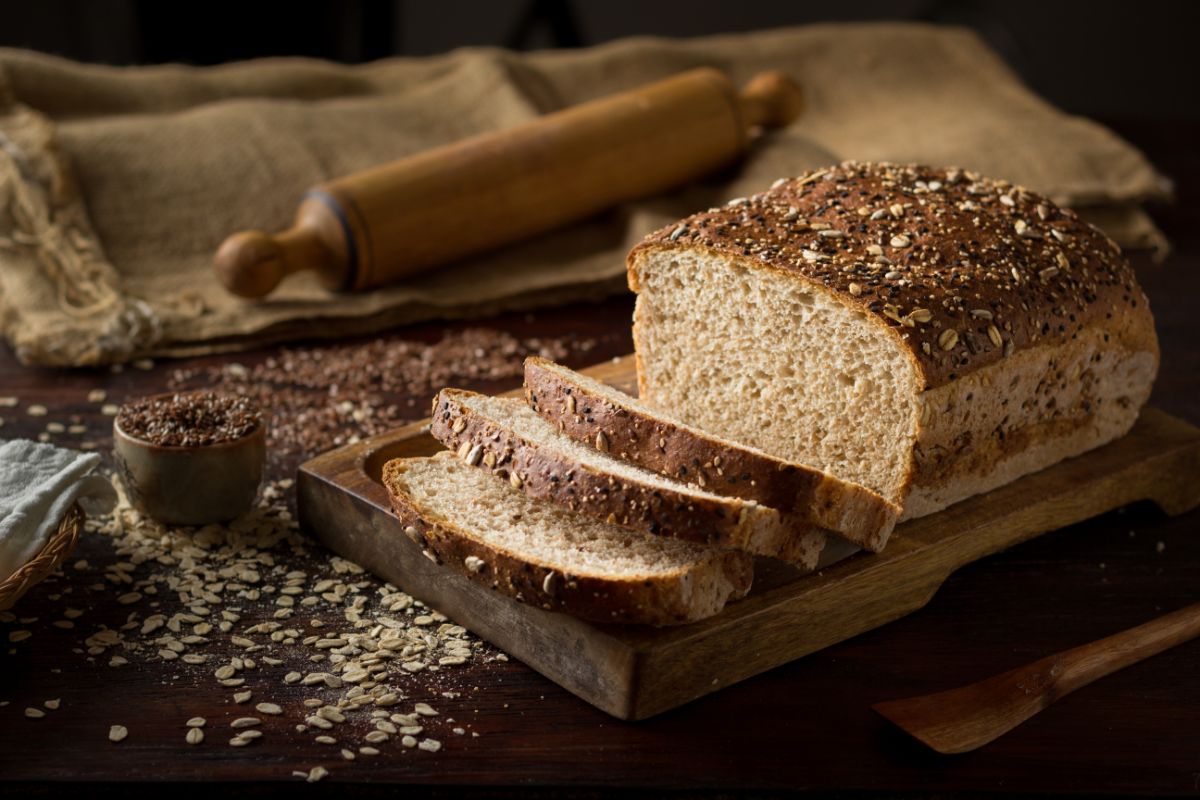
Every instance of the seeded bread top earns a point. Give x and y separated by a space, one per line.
963 269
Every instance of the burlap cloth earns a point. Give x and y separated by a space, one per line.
116 185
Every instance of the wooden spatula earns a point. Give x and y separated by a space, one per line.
963 719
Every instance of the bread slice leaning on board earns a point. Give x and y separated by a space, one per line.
589 411
547 556
928 333
504 436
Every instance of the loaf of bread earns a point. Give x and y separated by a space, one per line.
547 556
929 333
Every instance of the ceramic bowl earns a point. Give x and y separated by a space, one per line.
191 485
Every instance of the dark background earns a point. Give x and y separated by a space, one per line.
1104 59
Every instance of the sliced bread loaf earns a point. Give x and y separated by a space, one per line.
503 435
545 555
928 333
588 411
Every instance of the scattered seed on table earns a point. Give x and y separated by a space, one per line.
431 745
325 740
368 751
268 708
194 736
409 741
97 396
36 411
19 636
425 710
348 755
34 713
245 722
197 722
52 704
117 733
316 773
376 737
242 697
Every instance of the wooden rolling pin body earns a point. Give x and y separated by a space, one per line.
389 222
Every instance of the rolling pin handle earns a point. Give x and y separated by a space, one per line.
251 264
771 100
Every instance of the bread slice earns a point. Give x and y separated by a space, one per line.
545 555
503 435
587 410
929 333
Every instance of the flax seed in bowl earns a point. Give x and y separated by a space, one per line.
190 458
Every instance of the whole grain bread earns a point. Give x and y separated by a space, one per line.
504 436
589 411
547 556
929 333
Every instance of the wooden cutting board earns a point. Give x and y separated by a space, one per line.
636 672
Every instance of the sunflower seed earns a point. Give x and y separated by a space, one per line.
117 733
194 736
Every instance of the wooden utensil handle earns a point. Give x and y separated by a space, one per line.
389 222
1076 668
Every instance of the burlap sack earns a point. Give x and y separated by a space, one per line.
116 185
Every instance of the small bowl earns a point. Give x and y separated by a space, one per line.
191 485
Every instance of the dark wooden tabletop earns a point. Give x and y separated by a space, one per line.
806 726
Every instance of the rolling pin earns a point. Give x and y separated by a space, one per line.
389 222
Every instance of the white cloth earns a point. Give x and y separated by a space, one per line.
38 483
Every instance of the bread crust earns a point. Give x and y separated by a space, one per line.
675 599
961 269
541 472
686 454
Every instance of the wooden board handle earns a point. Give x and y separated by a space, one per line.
398 219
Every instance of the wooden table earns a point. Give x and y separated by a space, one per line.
805 726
